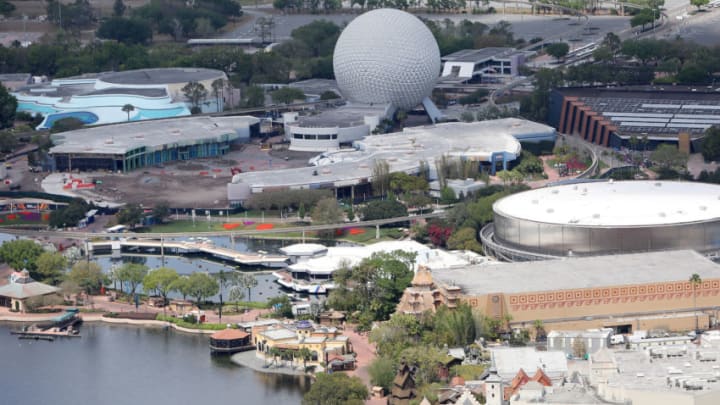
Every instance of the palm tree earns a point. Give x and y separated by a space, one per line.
128 108
248 281
305 354
695 280
539 329
275 353
217 88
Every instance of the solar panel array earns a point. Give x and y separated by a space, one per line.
659 118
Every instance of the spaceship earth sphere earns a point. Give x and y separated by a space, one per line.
386 56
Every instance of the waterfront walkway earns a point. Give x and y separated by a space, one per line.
250 360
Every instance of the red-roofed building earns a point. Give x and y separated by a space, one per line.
230 341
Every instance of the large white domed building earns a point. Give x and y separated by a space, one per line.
386 56
384 60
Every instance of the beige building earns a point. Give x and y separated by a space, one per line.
325 344
21 288
624 292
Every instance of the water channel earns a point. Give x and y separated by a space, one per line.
112 364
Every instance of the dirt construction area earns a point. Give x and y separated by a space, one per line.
198 183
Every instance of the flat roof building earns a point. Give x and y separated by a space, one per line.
624 292
486 65
652 114
487 142
135 145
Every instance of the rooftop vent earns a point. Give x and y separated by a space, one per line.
557 191
658 184
662 215
703 208
596 216
550 210
109 141
535 202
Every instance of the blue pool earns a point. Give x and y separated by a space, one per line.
145 114
84 116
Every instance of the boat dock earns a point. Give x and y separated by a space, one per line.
60 326
181 248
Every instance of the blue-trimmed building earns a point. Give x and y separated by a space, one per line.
126 147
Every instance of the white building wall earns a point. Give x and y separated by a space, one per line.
466 68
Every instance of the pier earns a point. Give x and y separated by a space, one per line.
181 248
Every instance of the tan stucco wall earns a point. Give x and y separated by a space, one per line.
586 308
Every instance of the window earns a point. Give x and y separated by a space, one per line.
333 136
323 137
308 136
298 136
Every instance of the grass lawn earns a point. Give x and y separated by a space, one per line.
186 226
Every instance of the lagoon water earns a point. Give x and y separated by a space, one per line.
112 364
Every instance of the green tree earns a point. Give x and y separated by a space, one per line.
195 92
381 177
88 276
464 239
163 280
5 9
381 209
336 389
327 211
161 211
304 354
51 267
129 31
699 3
118 8
22 254
711 144
8 142
182 286
382 372
130 215
457 327
202 286
8 106
131 275
254 97
236 294
287 95
696 281
128 108
217 88
558 50
281 305
329 95
668 156
66 124
247 281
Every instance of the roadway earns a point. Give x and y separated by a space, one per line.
234 233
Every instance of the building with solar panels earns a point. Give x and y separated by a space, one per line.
612 116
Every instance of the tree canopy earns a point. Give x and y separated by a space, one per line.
336 389
88 276
8 106
202 286
711 144
162 280
381 209
22 254
126 30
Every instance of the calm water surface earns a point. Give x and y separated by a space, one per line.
132 365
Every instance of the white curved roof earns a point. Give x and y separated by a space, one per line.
620 203
303 249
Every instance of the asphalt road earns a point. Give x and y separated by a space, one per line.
523 26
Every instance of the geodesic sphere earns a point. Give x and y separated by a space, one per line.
386 56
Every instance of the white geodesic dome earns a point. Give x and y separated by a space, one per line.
386 56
